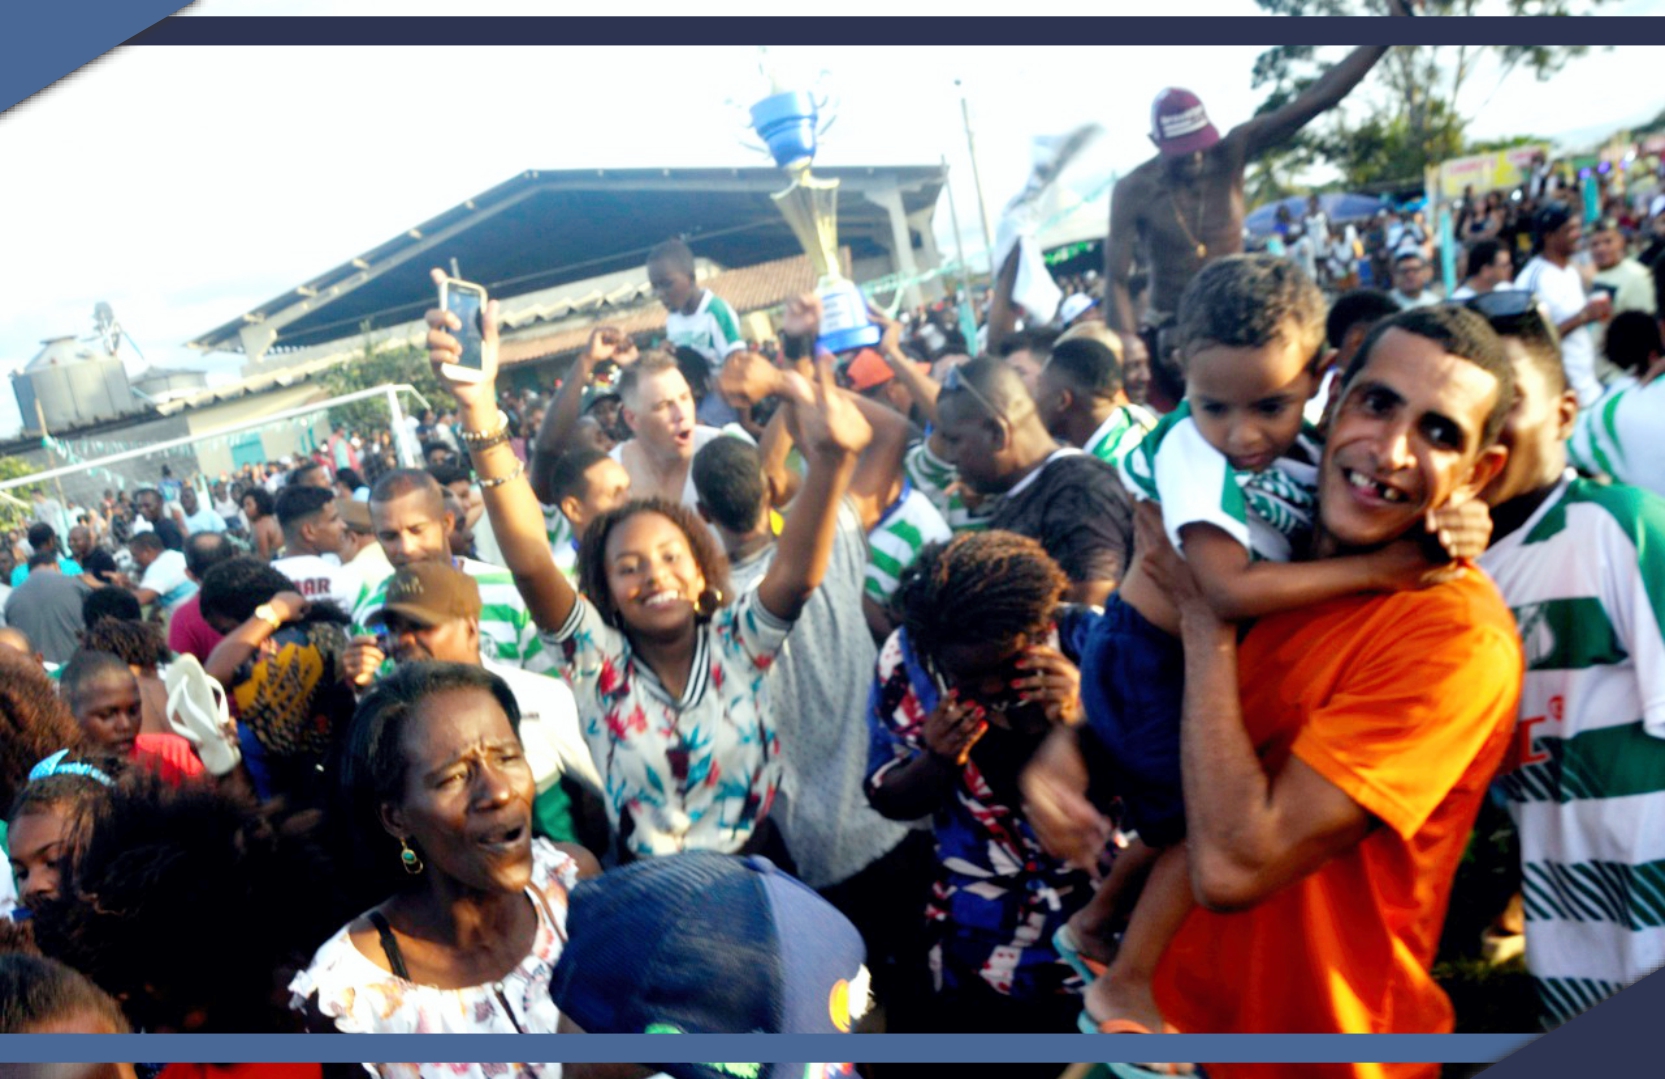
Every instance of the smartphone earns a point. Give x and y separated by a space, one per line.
467 301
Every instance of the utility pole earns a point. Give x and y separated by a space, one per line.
977 180
954 219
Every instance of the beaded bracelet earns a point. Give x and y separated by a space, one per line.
476 440
520 470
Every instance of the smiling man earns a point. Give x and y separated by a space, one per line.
1334 761
410 520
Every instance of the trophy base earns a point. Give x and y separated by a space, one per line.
844 322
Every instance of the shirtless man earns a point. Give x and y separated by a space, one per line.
1184 208
659 410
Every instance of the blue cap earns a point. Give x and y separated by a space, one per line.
704 943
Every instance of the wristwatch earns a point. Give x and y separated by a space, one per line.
268 614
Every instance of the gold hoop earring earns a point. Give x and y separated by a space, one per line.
407 857
708 602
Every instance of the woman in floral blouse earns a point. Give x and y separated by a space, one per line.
671 675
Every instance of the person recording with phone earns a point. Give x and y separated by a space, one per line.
671 675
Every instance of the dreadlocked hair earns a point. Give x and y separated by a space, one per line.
138 644
592 555
162 865
34 722
976 588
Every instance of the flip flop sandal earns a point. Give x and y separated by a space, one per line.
1129 1071
1070 952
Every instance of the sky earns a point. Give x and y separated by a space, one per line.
185 185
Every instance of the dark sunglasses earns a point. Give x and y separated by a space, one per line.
954 382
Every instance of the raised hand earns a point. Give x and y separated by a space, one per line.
444 349
803 316
1051 680
953 727
890 340
824 422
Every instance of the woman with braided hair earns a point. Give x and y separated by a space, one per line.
966 690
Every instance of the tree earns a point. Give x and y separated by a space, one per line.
389 366
13 515
1416 121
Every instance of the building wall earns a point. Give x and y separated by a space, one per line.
277 442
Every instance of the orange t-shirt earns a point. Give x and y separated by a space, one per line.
1406 702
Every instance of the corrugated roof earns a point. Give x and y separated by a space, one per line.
544 229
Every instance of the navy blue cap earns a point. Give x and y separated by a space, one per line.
704 943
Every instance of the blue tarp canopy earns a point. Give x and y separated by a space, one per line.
1340 209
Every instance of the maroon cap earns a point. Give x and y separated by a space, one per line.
1179 125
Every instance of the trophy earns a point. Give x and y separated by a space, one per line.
789 123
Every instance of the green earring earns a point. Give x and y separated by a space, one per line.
413 864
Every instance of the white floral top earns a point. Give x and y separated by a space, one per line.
362 998
697 773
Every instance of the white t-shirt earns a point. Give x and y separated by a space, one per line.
166 577
322 577
1426 298
549 729
204 520
1561 288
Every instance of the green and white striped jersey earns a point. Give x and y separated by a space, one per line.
1585 577
1122 431
1623 435
562 543
938 481
507 632
895 541
1269 512
712 330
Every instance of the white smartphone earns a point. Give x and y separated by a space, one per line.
467 301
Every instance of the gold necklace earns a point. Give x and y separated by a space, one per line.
1173 201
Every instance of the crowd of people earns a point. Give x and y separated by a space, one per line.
965 685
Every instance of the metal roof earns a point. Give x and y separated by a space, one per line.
544 229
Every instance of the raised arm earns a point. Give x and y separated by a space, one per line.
516 518
236 647
1118 255
1326 92
1002 316
920 386
832 433
560 421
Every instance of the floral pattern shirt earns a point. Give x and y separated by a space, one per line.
999 896
695 773
345 985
